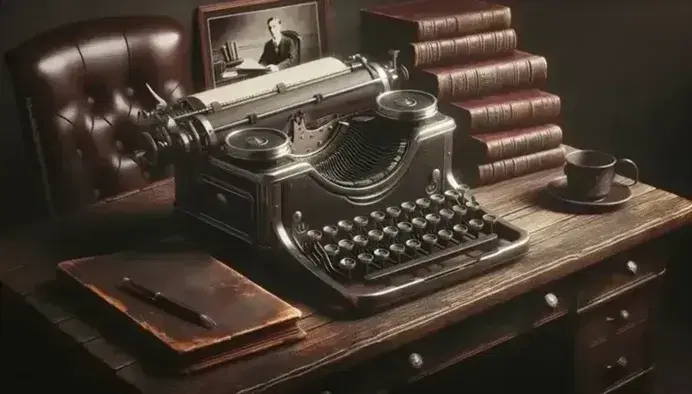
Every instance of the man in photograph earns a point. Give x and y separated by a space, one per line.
280 52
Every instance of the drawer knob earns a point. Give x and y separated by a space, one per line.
551 300
632 267
624 315
416 360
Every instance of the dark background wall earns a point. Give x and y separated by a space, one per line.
621 67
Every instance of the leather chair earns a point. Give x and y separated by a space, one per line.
79 89
297 39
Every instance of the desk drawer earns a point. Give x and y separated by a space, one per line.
603 367
621 270
457 343
600 322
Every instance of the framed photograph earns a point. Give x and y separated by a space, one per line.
247 38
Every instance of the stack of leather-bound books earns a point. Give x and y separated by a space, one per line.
465 53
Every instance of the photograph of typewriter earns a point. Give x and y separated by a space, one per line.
248 39
332 171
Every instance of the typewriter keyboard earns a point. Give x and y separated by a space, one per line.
397 239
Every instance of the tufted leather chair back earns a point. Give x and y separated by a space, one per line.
79 89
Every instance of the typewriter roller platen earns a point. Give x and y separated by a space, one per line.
374 214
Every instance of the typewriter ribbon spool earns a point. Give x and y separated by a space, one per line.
406 105
257 144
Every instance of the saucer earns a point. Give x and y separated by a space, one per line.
618 195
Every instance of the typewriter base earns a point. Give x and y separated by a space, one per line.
246 259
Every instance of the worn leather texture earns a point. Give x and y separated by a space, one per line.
79 89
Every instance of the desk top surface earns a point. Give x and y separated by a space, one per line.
561 243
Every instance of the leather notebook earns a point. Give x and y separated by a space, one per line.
198 312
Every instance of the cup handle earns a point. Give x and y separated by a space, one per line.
636 170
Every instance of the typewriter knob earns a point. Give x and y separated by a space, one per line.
423 203
405 227
460 210
347 263
381 255
415 360
446 214
391 232
257 144
419 223
378 216
433 218
476 225
375 235
393 212
460 230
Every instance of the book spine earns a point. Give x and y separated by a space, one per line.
544 138
459 49
497 171
463 24
532 111
524 73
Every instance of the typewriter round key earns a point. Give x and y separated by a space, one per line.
473 205
360 240
397 250
405 229
390 232
452 196
476 225
361 222
419 224
378 217
460 210
434 219
423 204
347 264
345 225
346 245
446 236
394 213
331 250
447 215
375 236
366 259
381 255
430 241
408 207
315 235
463 189
330 231
460 231
414 245
438 199
491 220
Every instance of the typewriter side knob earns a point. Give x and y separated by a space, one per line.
257 144
406 105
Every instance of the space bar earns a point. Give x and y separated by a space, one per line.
439 255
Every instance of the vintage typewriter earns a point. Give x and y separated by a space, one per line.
332 169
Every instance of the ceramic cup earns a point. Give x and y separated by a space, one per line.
590 173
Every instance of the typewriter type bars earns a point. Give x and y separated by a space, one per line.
391 246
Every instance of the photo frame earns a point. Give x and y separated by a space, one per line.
244 39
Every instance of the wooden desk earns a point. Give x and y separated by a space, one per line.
586 287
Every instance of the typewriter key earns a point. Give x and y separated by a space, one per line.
346 245
345 225
331 250
473 205
423 204
460 231
430 241
460 210
405 228
408 208
463 189
476 225
361 222
381 255
391 233
375 236
491 220
452 196
415 246
447 215
348 264
378 217
419 224
398 251
366 259
433 219
360 240
394 213
446 236
315 235
438 200
331 232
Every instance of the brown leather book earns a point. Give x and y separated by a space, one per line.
508 110
458 50
518 71
240 317
423 20
490 147
485 174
